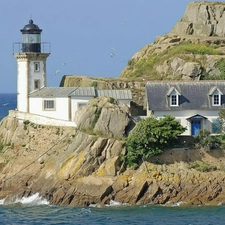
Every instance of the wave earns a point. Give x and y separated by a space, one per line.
32 200
111 204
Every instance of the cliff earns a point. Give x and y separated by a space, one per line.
83 166
86 166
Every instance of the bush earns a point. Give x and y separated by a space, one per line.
150 137
208 142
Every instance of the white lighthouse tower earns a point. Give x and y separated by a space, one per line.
31 64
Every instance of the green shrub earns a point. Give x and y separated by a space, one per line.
26 122
208 142
150 137
202 166
94 84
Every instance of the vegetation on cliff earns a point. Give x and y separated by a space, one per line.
150 137
146 67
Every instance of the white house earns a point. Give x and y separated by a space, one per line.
194 104
63 102
33 97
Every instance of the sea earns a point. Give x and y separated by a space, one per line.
35 210
7 102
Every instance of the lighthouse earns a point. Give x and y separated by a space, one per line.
31 57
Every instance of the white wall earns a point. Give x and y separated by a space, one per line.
22 85
62 107
183 115
42 120
37 75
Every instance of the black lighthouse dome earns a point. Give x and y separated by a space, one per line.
31 38
31 28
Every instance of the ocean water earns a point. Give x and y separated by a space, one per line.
36 210
7 102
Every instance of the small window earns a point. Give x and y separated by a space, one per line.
174 100
36 66
49 104
216 99
215 126
82 104
36 84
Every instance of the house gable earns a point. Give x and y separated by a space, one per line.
173 95
216 96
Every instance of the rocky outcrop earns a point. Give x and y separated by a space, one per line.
72 168
103 115
202 18
202 25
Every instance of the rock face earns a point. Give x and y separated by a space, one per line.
202 18
202 25
104 116
71 168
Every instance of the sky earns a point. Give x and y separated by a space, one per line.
84 33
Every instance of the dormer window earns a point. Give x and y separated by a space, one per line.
174 100
216 99
173 94
215 94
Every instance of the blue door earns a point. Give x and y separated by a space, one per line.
195 127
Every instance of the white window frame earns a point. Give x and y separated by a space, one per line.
172 100
36 66
214 100
47 104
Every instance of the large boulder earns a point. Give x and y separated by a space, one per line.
104 116
202 18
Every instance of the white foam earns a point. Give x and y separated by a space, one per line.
34 199
115 204
2 201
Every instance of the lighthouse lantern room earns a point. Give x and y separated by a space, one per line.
31 64
31 38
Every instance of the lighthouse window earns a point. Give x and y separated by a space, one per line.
36 66
36 84
49 104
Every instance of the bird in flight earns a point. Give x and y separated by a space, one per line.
112 54
56 72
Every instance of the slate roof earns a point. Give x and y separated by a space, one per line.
193 95
84 91
81 91
117 94
53 92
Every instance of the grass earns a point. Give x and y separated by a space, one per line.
146 65
202 166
